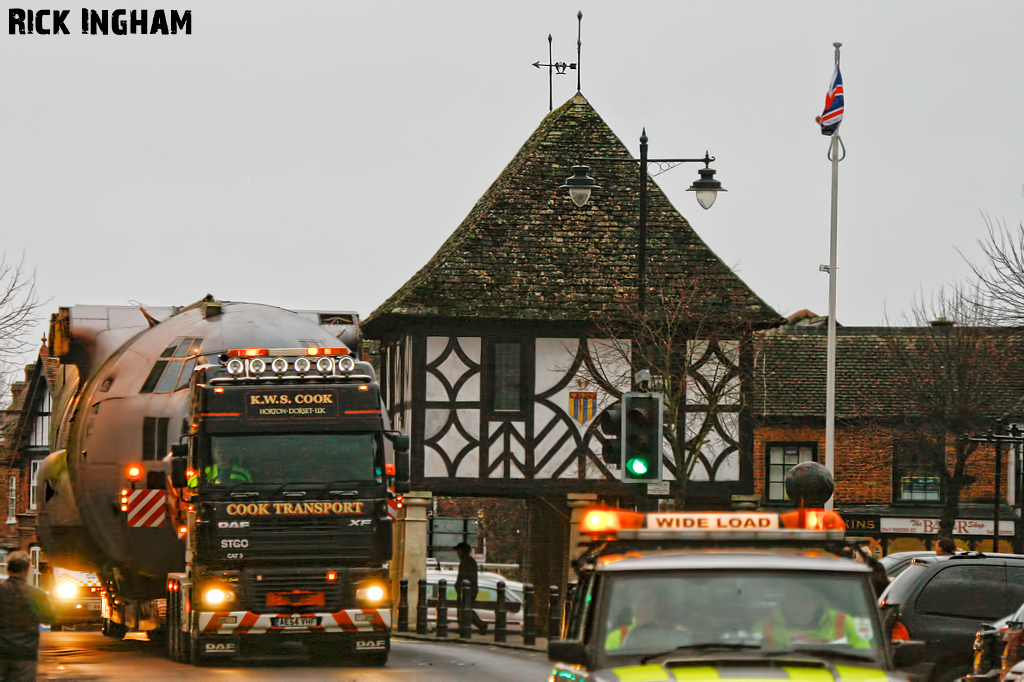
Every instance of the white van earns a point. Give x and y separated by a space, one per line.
486 600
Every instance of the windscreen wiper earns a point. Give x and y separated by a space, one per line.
820 652
703 646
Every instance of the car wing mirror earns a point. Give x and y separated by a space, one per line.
907 653
568 651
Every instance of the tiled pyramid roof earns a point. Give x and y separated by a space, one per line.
790 373
527 252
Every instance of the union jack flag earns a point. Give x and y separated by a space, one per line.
832 116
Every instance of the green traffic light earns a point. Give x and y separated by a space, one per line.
637 467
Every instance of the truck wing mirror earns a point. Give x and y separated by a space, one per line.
179 466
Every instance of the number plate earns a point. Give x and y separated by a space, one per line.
295 621
94 607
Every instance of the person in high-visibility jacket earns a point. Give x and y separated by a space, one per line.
803 619
236 473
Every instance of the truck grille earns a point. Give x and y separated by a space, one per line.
259 585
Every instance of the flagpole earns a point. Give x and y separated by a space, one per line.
835 145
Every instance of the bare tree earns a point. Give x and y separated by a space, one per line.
953 375
19 309
692 349
1001 277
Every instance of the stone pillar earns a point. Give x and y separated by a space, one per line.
549 536
578 503
410 550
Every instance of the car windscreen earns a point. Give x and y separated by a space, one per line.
291 458
901 586
649 614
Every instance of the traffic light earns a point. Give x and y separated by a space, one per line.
641 436
611 427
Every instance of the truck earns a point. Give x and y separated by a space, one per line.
228 471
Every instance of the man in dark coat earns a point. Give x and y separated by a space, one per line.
22 609
468 571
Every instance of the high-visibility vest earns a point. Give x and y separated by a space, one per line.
832 626
237 474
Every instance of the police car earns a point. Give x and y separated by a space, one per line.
722 596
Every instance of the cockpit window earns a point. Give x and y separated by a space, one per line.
172 371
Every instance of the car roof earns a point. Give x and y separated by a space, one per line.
728 559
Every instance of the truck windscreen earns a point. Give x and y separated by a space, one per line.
291 458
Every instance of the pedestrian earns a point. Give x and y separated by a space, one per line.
945 546
22 608
468 571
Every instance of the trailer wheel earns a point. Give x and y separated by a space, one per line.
114 630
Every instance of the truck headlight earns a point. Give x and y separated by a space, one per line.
371 593
215 596
67 590
346 364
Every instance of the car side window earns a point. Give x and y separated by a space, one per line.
582 598
1015 585
966 591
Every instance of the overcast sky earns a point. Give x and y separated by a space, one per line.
316 154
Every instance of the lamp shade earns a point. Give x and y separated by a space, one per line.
707 188
580 185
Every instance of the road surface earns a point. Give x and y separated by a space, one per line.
91 657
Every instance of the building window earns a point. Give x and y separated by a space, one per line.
174 368
40 437
154 437
508 373
34 468
779 459
12 498
915 470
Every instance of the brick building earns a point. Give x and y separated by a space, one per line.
26 443
890 483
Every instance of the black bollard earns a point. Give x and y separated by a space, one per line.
500 615
554 614
421 607
403 605
529 616
465 612
442 608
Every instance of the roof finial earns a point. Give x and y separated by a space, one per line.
553 66
579 46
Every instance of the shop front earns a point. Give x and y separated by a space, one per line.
903 529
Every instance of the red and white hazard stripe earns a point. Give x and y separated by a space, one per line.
392 504
147 508
249 623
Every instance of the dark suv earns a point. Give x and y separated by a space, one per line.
943 603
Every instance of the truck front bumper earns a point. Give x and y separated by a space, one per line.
352 621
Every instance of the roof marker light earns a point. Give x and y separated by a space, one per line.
248 352
609 521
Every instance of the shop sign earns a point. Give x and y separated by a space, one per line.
931 527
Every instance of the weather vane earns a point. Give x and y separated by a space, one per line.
561 67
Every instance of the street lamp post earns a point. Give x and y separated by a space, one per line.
707 188
1013 437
